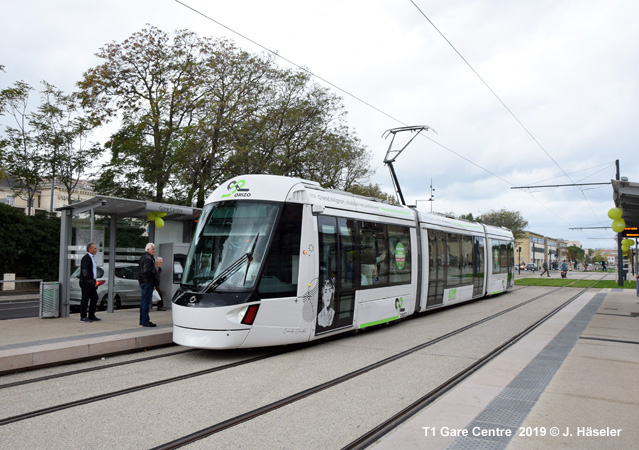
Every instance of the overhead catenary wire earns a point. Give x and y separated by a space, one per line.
504 105
309 72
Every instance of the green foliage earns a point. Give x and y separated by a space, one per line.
469 217
512 220
22 150
29 245
613 284
197 111
372 190
47 142
576 254
556 282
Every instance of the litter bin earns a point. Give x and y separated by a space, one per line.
49 299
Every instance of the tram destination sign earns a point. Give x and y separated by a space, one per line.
169 209
630 232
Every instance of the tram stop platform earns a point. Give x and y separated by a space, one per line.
35 342
572 382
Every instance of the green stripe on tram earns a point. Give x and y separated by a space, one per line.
378 322
395 211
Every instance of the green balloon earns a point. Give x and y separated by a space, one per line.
159 223
615 213
618 225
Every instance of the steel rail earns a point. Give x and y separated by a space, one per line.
234 421
379 431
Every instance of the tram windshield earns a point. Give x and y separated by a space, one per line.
232 235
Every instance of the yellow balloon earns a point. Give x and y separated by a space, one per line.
160 214
159 223
624 248
151 216
618 225
615 213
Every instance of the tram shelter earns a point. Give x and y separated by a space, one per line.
626 196
176 232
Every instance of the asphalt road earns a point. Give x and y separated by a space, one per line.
19 308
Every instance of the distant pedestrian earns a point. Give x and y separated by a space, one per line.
158 264
149 279
545 266
88 275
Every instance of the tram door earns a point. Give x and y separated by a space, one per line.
478 267
338 264
436 267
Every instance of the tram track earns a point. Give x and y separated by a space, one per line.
133 389
379 431
274 405
94 369
383 428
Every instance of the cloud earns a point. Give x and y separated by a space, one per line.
567 70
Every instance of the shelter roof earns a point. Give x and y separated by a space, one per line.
109 206
626 196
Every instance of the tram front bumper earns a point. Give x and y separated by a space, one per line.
214 328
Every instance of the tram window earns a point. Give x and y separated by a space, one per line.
346 306
400 256
503 256
348 256
374 254
328 244
280 273
467 264
454 256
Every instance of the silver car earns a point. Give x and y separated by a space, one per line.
126 287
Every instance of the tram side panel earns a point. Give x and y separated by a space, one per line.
454 264
290 320
500 262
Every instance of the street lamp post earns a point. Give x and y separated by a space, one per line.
519 251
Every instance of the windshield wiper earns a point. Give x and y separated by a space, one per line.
230 270
250 259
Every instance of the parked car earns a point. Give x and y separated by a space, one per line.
532 267
126 287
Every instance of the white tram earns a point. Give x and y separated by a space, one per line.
279 260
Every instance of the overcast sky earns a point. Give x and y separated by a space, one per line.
568 70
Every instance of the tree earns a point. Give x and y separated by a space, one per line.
197 111
372 190
49 142
512 220
469 217
156 85
63 131
576 254
22 150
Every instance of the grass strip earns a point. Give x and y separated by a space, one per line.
557 282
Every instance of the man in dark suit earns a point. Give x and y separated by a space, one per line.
149 279
88 274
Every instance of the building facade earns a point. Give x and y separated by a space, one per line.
47 198
537 249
